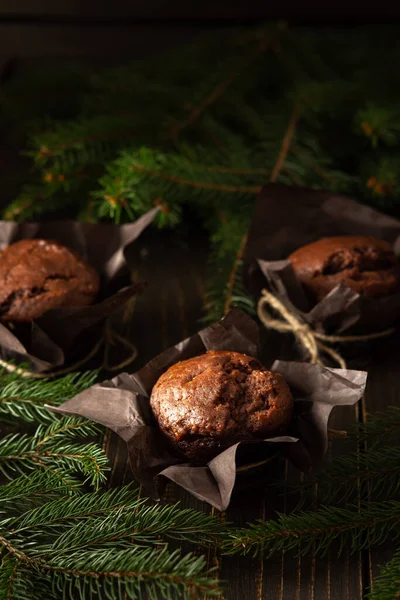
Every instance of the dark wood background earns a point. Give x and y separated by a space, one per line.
32 31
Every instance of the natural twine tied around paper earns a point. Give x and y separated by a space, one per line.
109 338
315 343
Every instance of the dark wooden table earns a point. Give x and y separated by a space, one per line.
170 311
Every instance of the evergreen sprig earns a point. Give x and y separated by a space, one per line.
353 528
382 427
95 539
32 489
136 573
51 449
374 473
387 583
17 582
20 401
107 519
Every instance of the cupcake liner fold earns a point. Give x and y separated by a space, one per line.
50 340
123 405
286 218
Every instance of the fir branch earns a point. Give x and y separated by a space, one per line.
114 518
50 449
262 45
276 170
138 573
35 487
224 250
144 177
24 400
55 193
386 585
141 525
64 512
233 275
286 143
17 582
65 428
33 200
73 145
203 185
385 424
354 528
374 473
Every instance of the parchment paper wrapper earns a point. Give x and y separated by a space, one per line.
286 218
50 340
122 405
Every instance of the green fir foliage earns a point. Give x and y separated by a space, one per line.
387 584
375 472
353 528
19 401
53 449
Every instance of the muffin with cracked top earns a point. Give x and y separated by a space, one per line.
365 264
207 403
38 275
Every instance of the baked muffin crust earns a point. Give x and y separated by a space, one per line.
364 264
209 402
38 275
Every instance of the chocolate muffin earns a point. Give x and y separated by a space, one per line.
366 265
209 402
38 275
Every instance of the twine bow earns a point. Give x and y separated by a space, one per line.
312 341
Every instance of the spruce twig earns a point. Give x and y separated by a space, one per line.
262 46
204 185
93 538
36 487
51 449
24 401
380 426
108 518
278 166
354 528
376 471
386 585
110 573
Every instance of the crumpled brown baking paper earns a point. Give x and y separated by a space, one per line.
286 218
48 341
122 405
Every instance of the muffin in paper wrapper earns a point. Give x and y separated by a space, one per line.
286 218
123 405
56 337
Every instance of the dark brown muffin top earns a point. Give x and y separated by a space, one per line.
38 275
364 264
209 402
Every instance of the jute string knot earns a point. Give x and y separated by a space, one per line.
312 341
